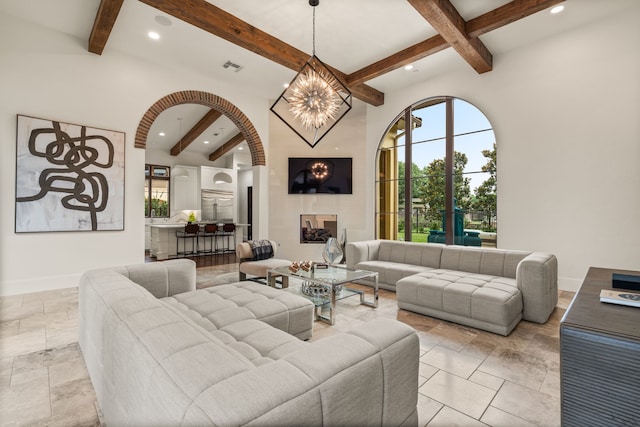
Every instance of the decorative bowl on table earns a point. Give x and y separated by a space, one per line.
318 290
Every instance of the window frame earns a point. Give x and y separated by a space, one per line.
384 212
149 178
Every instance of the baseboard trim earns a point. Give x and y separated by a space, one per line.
40 284
569 284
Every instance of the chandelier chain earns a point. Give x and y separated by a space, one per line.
314 31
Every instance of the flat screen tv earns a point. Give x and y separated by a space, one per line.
320 175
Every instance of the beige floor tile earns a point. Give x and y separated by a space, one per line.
427 409
10 328
41 296
551 384
21 312
62 373
63 323
62 337
6 364
10 301
462 395
22 343
497 418
519 367
482 345
451 361
69 291
426 371
428 341
454 337
418 321
531 405
490 381
39 321
64 304
46 358
6 368
27 376
26 401
448 417
65 398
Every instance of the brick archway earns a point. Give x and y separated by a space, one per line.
213 101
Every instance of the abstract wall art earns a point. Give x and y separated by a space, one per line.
68 177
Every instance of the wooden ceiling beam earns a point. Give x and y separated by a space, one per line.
506 14
103 24
202 125
399 59
216 21
446 20
226 147
478 26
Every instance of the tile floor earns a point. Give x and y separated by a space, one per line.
467 377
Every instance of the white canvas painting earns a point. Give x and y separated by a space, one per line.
68 177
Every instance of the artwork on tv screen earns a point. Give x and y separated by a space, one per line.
315 175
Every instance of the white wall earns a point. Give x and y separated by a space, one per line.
566 115
347 139
51 75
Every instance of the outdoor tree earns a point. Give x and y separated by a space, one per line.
485 199
400 183
433 196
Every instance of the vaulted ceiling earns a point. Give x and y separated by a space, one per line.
452 31
367 42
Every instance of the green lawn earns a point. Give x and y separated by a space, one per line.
416 237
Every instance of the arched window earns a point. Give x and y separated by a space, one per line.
450 147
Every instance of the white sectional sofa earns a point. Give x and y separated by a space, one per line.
161 353
490 289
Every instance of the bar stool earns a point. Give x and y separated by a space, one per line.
229 230
210 233
190 232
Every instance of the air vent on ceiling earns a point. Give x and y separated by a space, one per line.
232 66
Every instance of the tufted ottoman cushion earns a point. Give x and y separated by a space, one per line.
493 303
220 307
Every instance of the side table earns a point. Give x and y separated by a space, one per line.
600 357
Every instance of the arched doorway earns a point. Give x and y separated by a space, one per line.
210 100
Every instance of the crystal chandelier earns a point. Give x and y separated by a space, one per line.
315 100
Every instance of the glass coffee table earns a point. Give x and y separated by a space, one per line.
325 286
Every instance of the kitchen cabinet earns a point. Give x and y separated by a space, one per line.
185 191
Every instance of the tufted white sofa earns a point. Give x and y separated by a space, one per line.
161 353
486 288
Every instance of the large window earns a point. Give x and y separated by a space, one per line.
156 191
448 193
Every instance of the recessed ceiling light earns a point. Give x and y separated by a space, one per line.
557 9
408 67
153 35
240 148
206 142
161 134
286 85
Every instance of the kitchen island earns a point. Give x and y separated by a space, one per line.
164 240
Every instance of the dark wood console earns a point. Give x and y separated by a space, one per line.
600 357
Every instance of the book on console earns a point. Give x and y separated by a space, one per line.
621 297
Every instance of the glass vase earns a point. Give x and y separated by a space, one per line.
332 252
